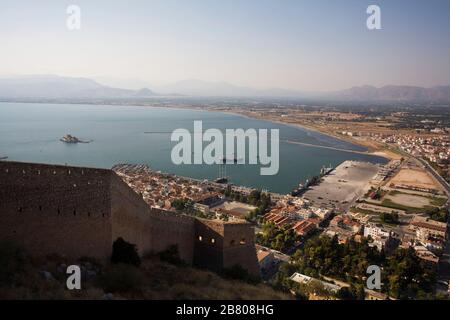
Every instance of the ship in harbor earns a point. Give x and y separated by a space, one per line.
326 170
221 180
296 192
299 190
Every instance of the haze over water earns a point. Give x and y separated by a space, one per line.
31 132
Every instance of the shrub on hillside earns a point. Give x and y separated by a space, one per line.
238 273
121 278
125 252
171 255
12 262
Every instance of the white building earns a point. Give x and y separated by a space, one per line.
304 279
381 238
375 231
322 213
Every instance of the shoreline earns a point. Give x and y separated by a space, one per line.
369 150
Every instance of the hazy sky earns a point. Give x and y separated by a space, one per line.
305 45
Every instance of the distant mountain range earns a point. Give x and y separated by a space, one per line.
194 87
56 87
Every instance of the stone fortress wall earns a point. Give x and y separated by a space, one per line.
54 209
75 212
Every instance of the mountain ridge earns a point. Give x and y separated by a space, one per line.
59 87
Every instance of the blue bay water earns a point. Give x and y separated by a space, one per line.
31 132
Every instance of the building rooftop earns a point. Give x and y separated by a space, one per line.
427 223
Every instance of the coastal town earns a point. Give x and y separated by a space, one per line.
399 205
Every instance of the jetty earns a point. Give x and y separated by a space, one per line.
325 147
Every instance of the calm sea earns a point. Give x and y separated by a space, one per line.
31 132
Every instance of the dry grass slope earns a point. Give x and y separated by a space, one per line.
26 278
172 282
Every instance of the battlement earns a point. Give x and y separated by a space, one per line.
77 211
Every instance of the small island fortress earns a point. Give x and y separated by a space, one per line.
72 139
79 212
